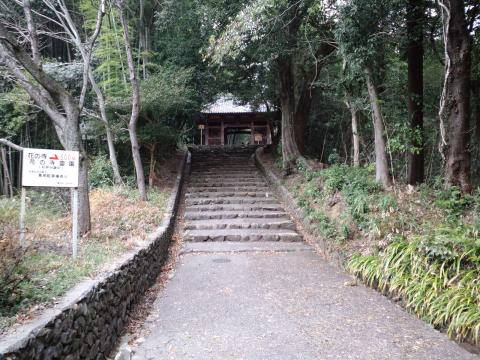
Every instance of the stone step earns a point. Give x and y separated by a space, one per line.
220 159
242 235
247 223
226 175
224 171
229 176
224 165
211 189
225 183
242 247
234 207
206 215
223 194
226 178
223 162
229 200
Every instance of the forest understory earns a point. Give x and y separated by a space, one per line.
37 276
417 245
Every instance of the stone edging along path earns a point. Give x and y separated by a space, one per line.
307 229
88 321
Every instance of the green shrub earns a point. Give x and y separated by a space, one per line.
11 255
323 224
437 276
100 171
452 201
344 177
387 202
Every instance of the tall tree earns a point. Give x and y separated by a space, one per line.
454 110
361 33
415 20
61 106
132 124
355 117
292 39
86 53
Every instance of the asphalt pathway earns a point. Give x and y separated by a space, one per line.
269 300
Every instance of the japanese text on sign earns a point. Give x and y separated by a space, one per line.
51 168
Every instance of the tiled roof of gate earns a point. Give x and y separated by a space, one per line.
231 105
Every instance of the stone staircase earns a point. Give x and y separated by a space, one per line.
227 199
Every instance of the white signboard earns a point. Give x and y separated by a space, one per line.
51 168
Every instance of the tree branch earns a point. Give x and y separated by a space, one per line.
32 32
11 144
42 98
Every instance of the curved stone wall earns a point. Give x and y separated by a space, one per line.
88 326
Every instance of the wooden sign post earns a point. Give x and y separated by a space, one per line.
51 168
201 127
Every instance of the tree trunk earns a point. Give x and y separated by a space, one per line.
382 174
355 115
103 114
70 138
57 103
7 178
415 17
32 32
355 137
132 125
476 96
290 152
454 110
151 175
302 111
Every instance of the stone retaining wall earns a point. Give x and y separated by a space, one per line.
308 231
88 326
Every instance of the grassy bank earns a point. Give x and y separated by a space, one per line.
35 277
420 246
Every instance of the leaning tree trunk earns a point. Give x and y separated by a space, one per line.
51 97
415 17
132 125
454 111
382 174
103 115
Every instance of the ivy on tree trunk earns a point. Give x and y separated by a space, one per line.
455 101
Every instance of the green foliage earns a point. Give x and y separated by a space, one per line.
46 275
323 224
100 172
437 276
452 201
347 178
14 111
13 271
163 137
169 92
361 31
356 185
387 202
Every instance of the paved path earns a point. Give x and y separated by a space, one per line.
279 301
247 287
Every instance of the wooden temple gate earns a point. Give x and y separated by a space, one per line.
248 128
